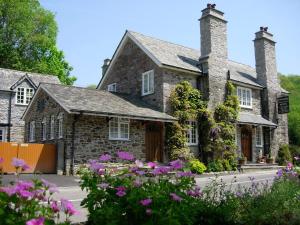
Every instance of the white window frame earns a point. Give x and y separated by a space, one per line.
259 134
26 95
60 119
120 122
52 127
192 130
112 87
3 129
44 129
148 82
32 131
244 102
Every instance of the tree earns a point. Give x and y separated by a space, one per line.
91 86
28 40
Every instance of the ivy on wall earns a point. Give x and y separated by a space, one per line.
216 129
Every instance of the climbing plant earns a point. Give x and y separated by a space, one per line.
185 104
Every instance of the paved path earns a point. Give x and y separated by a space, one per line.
69 189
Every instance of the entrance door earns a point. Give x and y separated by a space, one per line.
246 141
154 141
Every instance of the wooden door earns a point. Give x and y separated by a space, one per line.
247 143
154 141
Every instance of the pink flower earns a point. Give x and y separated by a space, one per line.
121 193
19 163
152 165
104 185
177 164
137 183
68 207
148 212
25 167
25 194
121 188
105 157
54 206
289 166
184 174
38 221
175 197
146 202
8 190
1 160
24 185
139 163
125 156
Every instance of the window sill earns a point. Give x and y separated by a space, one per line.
194 144
149 93
246 107
19 104
118 139
259 146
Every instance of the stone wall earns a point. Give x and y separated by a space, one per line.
4 105
127 73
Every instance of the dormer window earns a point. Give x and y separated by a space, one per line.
112 87
245 97
24 95
148 82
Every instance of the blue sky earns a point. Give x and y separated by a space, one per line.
90 30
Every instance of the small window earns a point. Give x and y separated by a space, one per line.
52 125
119 129
259 136
148 82
112 87
32 131
24 95
60 125
44 129
2 134
192 133
245 97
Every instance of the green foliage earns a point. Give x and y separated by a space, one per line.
215 166
28 40
292 84
196 166
284 155
185 105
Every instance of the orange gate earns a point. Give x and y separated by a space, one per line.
40 157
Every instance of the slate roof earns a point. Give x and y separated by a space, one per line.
183 57
10 77
250 118
84 100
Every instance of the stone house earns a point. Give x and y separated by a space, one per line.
143 71
16 91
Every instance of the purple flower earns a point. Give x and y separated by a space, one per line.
185 174
8 190
148 212
161 170
125 155
19 163
121 193
25 194
177 164
105 157
1 160
175 197
137 183
38 221
54 206
289 166
152 165
24 185
120 188
279 173
68 207
39 194
194 193
140 172
25 167
139 163
146 202
96 167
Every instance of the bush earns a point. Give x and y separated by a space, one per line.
284 155
226 165
215 166
196 166
295 152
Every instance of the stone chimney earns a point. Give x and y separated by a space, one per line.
213 31
105 65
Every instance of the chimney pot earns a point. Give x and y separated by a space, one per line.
105 65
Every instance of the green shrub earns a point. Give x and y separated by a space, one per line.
196 166
284 155
215 166
295 152
226 165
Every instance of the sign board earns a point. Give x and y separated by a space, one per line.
283 104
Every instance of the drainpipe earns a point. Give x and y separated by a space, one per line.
75 118
9 116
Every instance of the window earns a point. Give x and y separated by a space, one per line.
148 82
52 124
245 97
44 129
60 125
2 134
32 131
119 129
112 87
192 133
259 136
24 95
